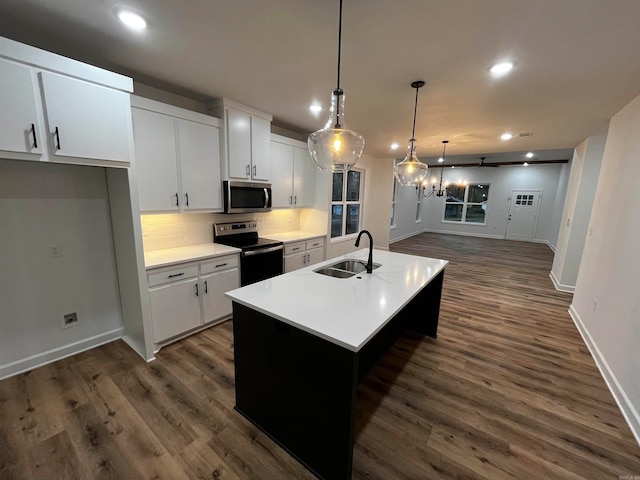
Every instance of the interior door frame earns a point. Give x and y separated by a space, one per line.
511 196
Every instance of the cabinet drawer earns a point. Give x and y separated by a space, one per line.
294 248
172 274
315 243
218 263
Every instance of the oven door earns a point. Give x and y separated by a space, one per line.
260 264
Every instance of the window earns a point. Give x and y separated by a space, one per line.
466 203
393 202
346 203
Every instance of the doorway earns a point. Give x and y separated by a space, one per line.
524 206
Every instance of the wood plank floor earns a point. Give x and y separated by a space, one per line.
507 391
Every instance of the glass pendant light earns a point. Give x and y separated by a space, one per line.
335 147
411 172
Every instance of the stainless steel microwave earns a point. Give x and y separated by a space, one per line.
246 197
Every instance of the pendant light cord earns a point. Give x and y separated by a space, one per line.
338 91
339 44
415 112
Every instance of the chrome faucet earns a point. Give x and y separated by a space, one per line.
370 259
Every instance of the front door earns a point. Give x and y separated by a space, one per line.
523 214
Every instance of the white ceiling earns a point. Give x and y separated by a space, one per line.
578 61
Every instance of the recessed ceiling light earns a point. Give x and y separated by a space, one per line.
529 155
500 69
315 108
394 146
525 164
132 20
506 136
440 160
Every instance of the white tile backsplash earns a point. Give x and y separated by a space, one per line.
180 230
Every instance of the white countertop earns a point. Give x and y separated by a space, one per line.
344 311
192 253
294 236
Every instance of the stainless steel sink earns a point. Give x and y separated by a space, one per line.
345 268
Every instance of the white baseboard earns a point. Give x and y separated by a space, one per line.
559 286
59 353
464 234
403 237
136 347
624 404
551 246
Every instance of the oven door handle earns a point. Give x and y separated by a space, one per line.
266 198
261 251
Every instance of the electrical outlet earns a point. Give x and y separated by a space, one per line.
70 320
56 251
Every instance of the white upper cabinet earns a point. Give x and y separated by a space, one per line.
20 130
56 109
199 155
86 120
156 166
292 173
177 158
303 177
238 133
281 175
245 141
260 156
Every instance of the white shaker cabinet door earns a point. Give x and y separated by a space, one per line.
295 261
175 309
18 114
303 177
260 155
199 153
315 256
238 144
156 166
86 120
281 175
214 304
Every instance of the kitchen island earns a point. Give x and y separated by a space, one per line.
303 342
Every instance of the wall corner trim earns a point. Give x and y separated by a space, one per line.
622 400
559 286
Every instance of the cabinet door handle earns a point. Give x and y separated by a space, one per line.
254 171
221 265
295 249
57 134
176 275
290 199
35 139
308 258
248 170
295 199
197 292
206 288
187 198
177 200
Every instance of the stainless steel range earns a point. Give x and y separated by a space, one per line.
260 258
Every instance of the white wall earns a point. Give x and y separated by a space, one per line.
406 205
44 206
561 193
502 180
606 303
585 170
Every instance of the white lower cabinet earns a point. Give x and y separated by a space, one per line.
187 296
302 254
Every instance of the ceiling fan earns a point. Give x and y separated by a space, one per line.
482 164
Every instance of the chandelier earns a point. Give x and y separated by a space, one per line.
423 190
